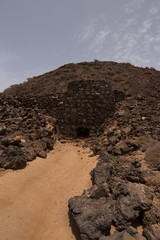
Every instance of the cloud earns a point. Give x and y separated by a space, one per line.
87 32
153 10
137 38
134 5
94 34
133 36
99 39
145 26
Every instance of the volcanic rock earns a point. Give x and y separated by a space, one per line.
93 217
129 234
130 200
13 158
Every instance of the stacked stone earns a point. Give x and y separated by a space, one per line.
85 105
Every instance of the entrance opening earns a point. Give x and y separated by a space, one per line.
83 132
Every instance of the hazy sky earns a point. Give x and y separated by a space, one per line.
37 36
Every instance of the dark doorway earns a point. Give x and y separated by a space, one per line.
83 132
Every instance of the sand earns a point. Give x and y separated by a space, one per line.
33 201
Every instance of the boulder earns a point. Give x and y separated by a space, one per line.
97 209
13 158
29 153
102 173
129 200
93 217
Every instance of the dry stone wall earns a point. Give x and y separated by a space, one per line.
84 107
81 110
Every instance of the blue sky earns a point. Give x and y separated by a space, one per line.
37 36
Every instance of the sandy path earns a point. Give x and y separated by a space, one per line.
33 201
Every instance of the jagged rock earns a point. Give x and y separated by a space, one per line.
93 213
134 174
136 163
96 148
45 132
97 192
116 151
133 144
113 140
10 141
48 142
121 148
29 153
13 158
129 234
130 200
93 217
101 174
110 149
39 145
25 127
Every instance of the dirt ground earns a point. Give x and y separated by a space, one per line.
33 201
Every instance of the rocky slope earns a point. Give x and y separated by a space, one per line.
25 133
123 76
126 181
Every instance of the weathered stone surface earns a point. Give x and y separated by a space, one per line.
13 158
92 217
130 200
94 212
90 103
10 141
129 234
49 142
134 173
97 192
25 132
29 153
101 174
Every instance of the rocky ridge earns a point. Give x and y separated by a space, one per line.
126 181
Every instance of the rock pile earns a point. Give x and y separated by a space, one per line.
126 180
125 191
25 133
